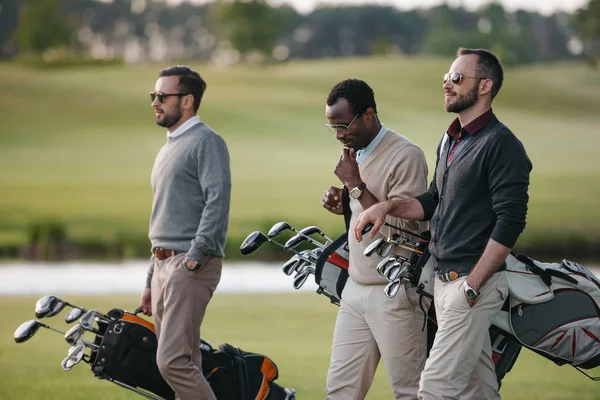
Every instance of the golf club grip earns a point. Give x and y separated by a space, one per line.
137 311
367 228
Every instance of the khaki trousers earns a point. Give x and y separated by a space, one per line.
460 363
371 326
179 301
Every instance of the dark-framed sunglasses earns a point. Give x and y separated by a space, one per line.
457 77
334 128
161 96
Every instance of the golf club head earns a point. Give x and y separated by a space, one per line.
59 305
392 288
389 267
293 242
310 230
87 321
73 315
253 242
26 330
45 305
75 356
385 249
290 265
374 246
300 279
396 272
381 267
74 335
302 264
278 228
316 252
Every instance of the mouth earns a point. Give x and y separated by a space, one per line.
158 112
346 144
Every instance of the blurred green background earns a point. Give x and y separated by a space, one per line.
78 140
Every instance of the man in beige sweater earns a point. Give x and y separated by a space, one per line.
376 164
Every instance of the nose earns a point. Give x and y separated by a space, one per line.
448 85
155 102
340 134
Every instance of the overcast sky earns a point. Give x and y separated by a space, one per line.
542 6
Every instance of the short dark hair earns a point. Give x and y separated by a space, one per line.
357 92
190 82
488 66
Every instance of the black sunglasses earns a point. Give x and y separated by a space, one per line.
457 77
161 96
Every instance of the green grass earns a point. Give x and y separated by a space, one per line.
295 330
77 145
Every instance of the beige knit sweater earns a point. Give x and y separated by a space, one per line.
395 169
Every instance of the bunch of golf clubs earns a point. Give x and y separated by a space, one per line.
50 306
302 263
396 269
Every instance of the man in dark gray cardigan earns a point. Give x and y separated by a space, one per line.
191 184
476 205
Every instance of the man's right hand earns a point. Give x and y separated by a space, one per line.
373 215
146 302
332 200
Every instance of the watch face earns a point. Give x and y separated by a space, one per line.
355 193
191 264
471 294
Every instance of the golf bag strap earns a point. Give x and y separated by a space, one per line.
545 274
346 207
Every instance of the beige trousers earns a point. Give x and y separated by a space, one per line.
371 326
460 363
179 301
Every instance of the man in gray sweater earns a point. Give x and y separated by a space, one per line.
476 205
191 185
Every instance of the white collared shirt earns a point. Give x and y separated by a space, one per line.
362 154
184 127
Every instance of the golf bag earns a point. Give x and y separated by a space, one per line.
552 309
127 357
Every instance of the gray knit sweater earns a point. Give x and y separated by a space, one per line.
191 185
482 194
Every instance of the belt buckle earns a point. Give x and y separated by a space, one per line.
449 276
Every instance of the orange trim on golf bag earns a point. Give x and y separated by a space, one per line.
269 372
138 320
338 260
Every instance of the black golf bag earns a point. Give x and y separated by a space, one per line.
127 357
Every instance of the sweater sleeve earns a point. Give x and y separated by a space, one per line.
214 176
508 175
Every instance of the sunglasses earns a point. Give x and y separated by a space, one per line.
334 128
456 77
161 96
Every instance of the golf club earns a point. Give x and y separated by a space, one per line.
383 264
255 240
300 278
74 357
294 241
311 230
374 246
27 329
392 288
74 335
51 305
73 315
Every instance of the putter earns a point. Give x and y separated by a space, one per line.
73 315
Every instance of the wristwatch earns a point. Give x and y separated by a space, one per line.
358 191
470 292
191 264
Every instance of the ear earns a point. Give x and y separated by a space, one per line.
369 113
188 102
485 86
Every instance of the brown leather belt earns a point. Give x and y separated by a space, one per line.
161 253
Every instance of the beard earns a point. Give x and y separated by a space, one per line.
461 103
168 120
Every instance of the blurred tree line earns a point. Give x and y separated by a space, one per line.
229 31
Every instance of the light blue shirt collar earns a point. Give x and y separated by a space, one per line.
362 154
184 127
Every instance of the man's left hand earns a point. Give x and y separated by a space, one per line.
347 169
